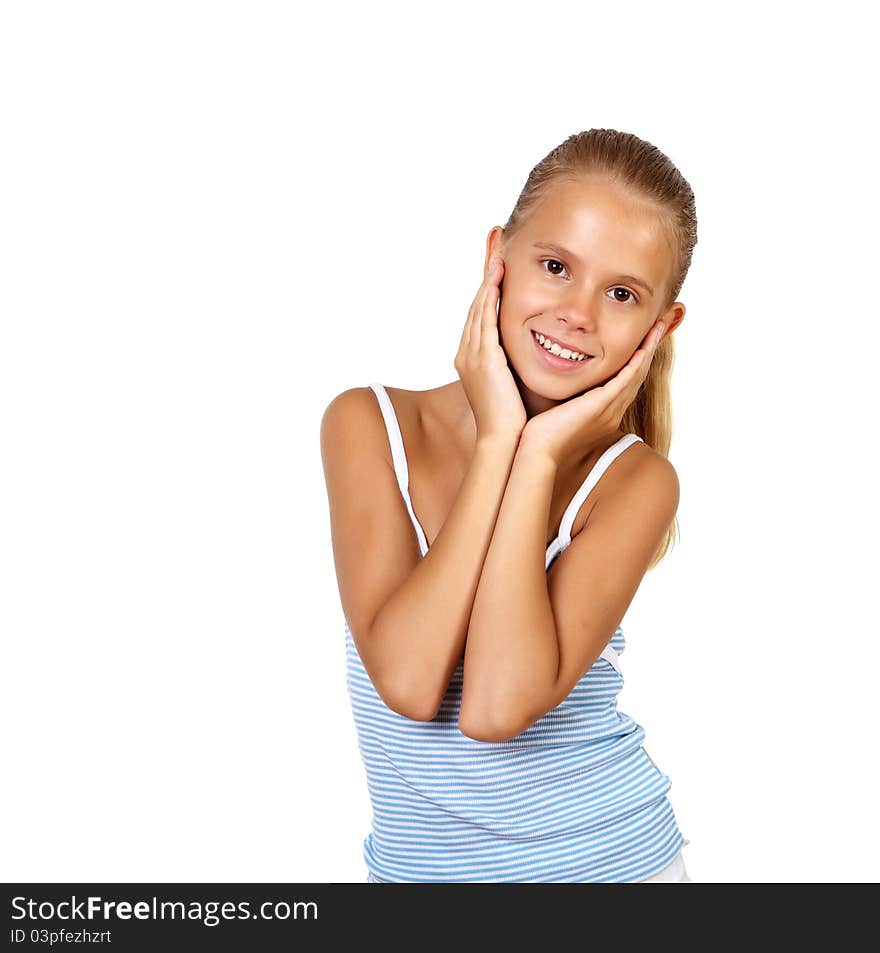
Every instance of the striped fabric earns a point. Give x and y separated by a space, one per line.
572 799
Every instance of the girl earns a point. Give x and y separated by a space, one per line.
490 534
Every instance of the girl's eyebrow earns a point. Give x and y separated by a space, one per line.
569 254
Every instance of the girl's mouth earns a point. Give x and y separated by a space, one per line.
558 363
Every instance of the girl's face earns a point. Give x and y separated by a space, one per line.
590 268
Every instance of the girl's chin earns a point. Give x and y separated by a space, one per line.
559 388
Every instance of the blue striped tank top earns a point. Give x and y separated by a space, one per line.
574 798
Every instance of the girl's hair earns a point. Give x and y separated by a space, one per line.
643 170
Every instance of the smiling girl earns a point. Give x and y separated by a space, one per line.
490 534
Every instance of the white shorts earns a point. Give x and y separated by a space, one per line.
673 873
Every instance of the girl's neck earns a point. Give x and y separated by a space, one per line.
463 427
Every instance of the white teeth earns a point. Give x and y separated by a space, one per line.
557 350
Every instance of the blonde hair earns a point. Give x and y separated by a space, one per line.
644 171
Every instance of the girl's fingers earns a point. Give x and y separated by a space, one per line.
466 334
475 309
625 384
643 365
644 354
489 316
476 323
484 295
656 335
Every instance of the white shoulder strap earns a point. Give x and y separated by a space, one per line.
611 655
592 478
398 455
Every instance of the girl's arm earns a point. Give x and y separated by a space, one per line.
534 633
408 615
418 636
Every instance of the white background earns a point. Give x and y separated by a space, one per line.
217 216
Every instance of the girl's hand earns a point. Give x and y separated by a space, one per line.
572 427
482 365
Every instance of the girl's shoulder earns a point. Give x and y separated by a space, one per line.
641 461
642 470
355 417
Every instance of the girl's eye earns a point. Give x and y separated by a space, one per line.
555 261
631 297
626 300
